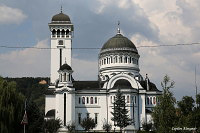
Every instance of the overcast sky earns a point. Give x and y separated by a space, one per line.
145 22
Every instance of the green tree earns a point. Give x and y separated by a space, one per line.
120 113
186 105
198 100
88 123
164 113
52 125
11 107
35 118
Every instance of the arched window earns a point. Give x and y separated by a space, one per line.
147 100
120 59
83 100
125 59
104 61
133 60
61 77
129 59
91 100
128 100
135 99
151 100
115 59
65 76
87 100
79 100
154 100
111 59
107 60
132 99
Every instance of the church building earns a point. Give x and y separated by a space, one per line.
71 100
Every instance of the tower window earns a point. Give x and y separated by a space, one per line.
53 33
58 33
65 75
79 118
60 42
63 33
111 59
147 101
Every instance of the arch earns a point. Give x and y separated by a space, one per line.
111 59
133 82
50 113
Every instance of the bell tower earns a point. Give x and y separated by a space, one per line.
61 30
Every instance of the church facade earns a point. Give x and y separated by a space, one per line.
118 62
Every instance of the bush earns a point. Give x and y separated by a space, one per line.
88 123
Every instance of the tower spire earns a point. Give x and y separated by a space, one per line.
118 29
61 9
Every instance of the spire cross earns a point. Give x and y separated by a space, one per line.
118 29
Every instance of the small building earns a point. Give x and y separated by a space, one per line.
71 100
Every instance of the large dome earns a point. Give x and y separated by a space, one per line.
60 17
118 42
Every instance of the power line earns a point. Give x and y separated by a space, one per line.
144 46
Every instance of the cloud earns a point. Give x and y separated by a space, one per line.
11 15
36 63
26 62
